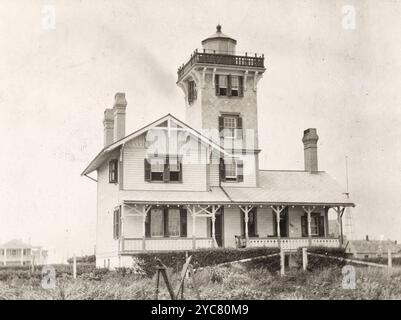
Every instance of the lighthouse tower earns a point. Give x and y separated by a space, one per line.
220 88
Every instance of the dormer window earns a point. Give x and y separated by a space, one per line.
113 171
229 85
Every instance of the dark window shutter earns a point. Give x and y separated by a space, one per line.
114 224
221 125
240 170
304 226
148 173
253 225
216 84
222 170
166 172
165 212
229 85
239 128
180 172
241 86
321 226
147 224
183 223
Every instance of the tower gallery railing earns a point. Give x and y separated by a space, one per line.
246 60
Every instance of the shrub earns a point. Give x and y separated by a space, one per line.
317 262
201 257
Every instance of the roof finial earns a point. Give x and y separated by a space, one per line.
218 28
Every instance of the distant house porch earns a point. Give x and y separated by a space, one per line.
154 226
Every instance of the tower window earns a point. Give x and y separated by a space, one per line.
231 170
229 85
222 85
230 126
234 86
192 95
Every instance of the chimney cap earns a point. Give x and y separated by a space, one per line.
119 99
108 115
310 135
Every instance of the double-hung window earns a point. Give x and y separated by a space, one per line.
230 126
229 85
231 170
222 85
166 222
157 168
113 171
235 86
163 169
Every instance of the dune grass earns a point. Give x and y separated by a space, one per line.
232 282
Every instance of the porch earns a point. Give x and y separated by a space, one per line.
173 226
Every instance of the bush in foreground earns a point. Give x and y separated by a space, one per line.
206 257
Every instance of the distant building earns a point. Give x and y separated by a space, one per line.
373 248
18 253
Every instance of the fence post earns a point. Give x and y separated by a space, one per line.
282 260
389 259
304 259
74 267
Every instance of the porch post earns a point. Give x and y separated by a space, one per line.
145 210
340 212
246 211
193 228
22 256
308 211
246 219
5 256
309 228
277 210
213 225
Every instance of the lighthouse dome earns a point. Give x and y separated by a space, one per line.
219 43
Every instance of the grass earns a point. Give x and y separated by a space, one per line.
233 282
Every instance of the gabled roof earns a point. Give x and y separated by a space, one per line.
102 155
292 187
15 244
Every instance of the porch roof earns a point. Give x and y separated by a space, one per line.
276 187
216 195
292 187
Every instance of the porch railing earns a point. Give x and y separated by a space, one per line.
163 244
293 243
256 61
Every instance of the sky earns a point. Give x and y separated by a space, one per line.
62 61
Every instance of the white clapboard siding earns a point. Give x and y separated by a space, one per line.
194 173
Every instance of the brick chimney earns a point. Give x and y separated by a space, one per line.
120 104
108 124
310 139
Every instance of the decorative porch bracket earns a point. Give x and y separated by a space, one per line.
309 210
197 211
340 212
277 210
246 210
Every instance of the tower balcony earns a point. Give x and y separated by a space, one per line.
207 58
